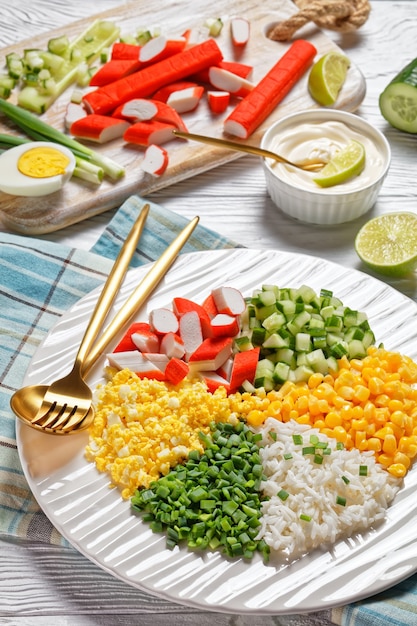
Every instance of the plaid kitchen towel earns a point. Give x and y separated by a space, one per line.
41 280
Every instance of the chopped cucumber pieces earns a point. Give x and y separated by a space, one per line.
62 60
299 333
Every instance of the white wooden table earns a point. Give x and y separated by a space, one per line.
44 585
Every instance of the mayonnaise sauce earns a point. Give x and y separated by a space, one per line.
323 140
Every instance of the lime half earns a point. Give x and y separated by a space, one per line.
347 163
388 243
327 76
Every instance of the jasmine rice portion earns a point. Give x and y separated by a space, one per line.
317 492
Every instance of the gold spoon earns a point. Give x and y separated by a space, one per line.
310 165
27 401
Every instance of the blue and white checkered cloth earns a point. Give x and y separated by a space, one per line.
41 280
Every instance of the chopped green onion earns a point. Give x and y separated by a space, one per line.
297 439
288 456
340 500
363 470
273 435
340 445
345 480
308 450
282 494
305 518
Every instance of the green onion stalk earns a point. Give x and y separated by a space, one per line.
41 131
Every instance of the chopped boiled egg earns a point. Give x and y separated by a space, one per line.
35 168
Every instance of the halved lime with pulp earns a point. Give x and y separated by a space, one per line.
388 243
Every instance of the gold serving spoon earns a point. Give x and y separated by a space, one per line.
309 165
66 405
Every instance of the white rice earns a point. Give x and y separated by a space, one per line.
313 490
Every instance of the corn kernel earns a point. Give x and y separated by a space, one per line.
397 469
374 444
389 444
255 417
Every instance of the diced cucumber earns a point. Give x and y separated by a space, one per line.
59 45
64 67
398 101
300 333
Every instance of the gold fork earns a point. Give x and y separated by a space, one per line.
66 405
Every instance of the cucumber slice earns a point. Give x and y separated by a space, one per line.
398 101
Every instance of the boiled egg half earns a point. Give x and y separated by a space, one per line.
36 168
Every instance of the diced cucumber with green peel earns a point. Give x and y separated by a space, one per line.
398 101
300 332
63 59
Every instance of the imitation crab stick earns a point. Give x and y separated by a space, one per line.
223 325
140 328
147 81
155 160
211 354
113 70
227 81
163 94
186 100
243 368
228 300
148 133
218 101
176 370
172 345
240 31
144 109
99 128
260 102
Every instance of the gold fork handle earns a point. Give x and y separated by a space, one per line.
111 287
232 145
140 294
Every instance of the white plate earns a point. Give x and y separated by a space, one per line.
97 522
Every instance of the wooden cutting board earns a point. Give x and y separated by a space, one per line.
78 200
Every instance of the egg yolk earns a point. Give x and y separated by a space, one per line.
43 162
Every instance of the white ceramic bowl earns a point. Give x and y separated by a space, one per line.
300 197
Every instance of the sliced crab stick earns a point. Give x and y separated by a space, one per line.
227 81
186 100
99 128
224 325
190 332
159 48
240 31
218 101
184 305
243 368
125 51
211 354
172 345
176 370
132 360
262 100
155 160
147 133
229 300
163 94
140 328
73 113
163 321
144 109
147 81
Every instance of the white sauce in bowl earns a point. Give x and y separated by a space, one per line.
322 140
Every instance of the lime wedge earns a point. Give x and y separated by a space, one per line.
347 163
327 76
388 243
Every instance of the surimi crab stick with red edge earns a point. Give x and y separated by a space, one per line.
143 110
155 160
218 101
227 81
99 128
147 133
113 70
261 101
148 80
240 31
186 100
